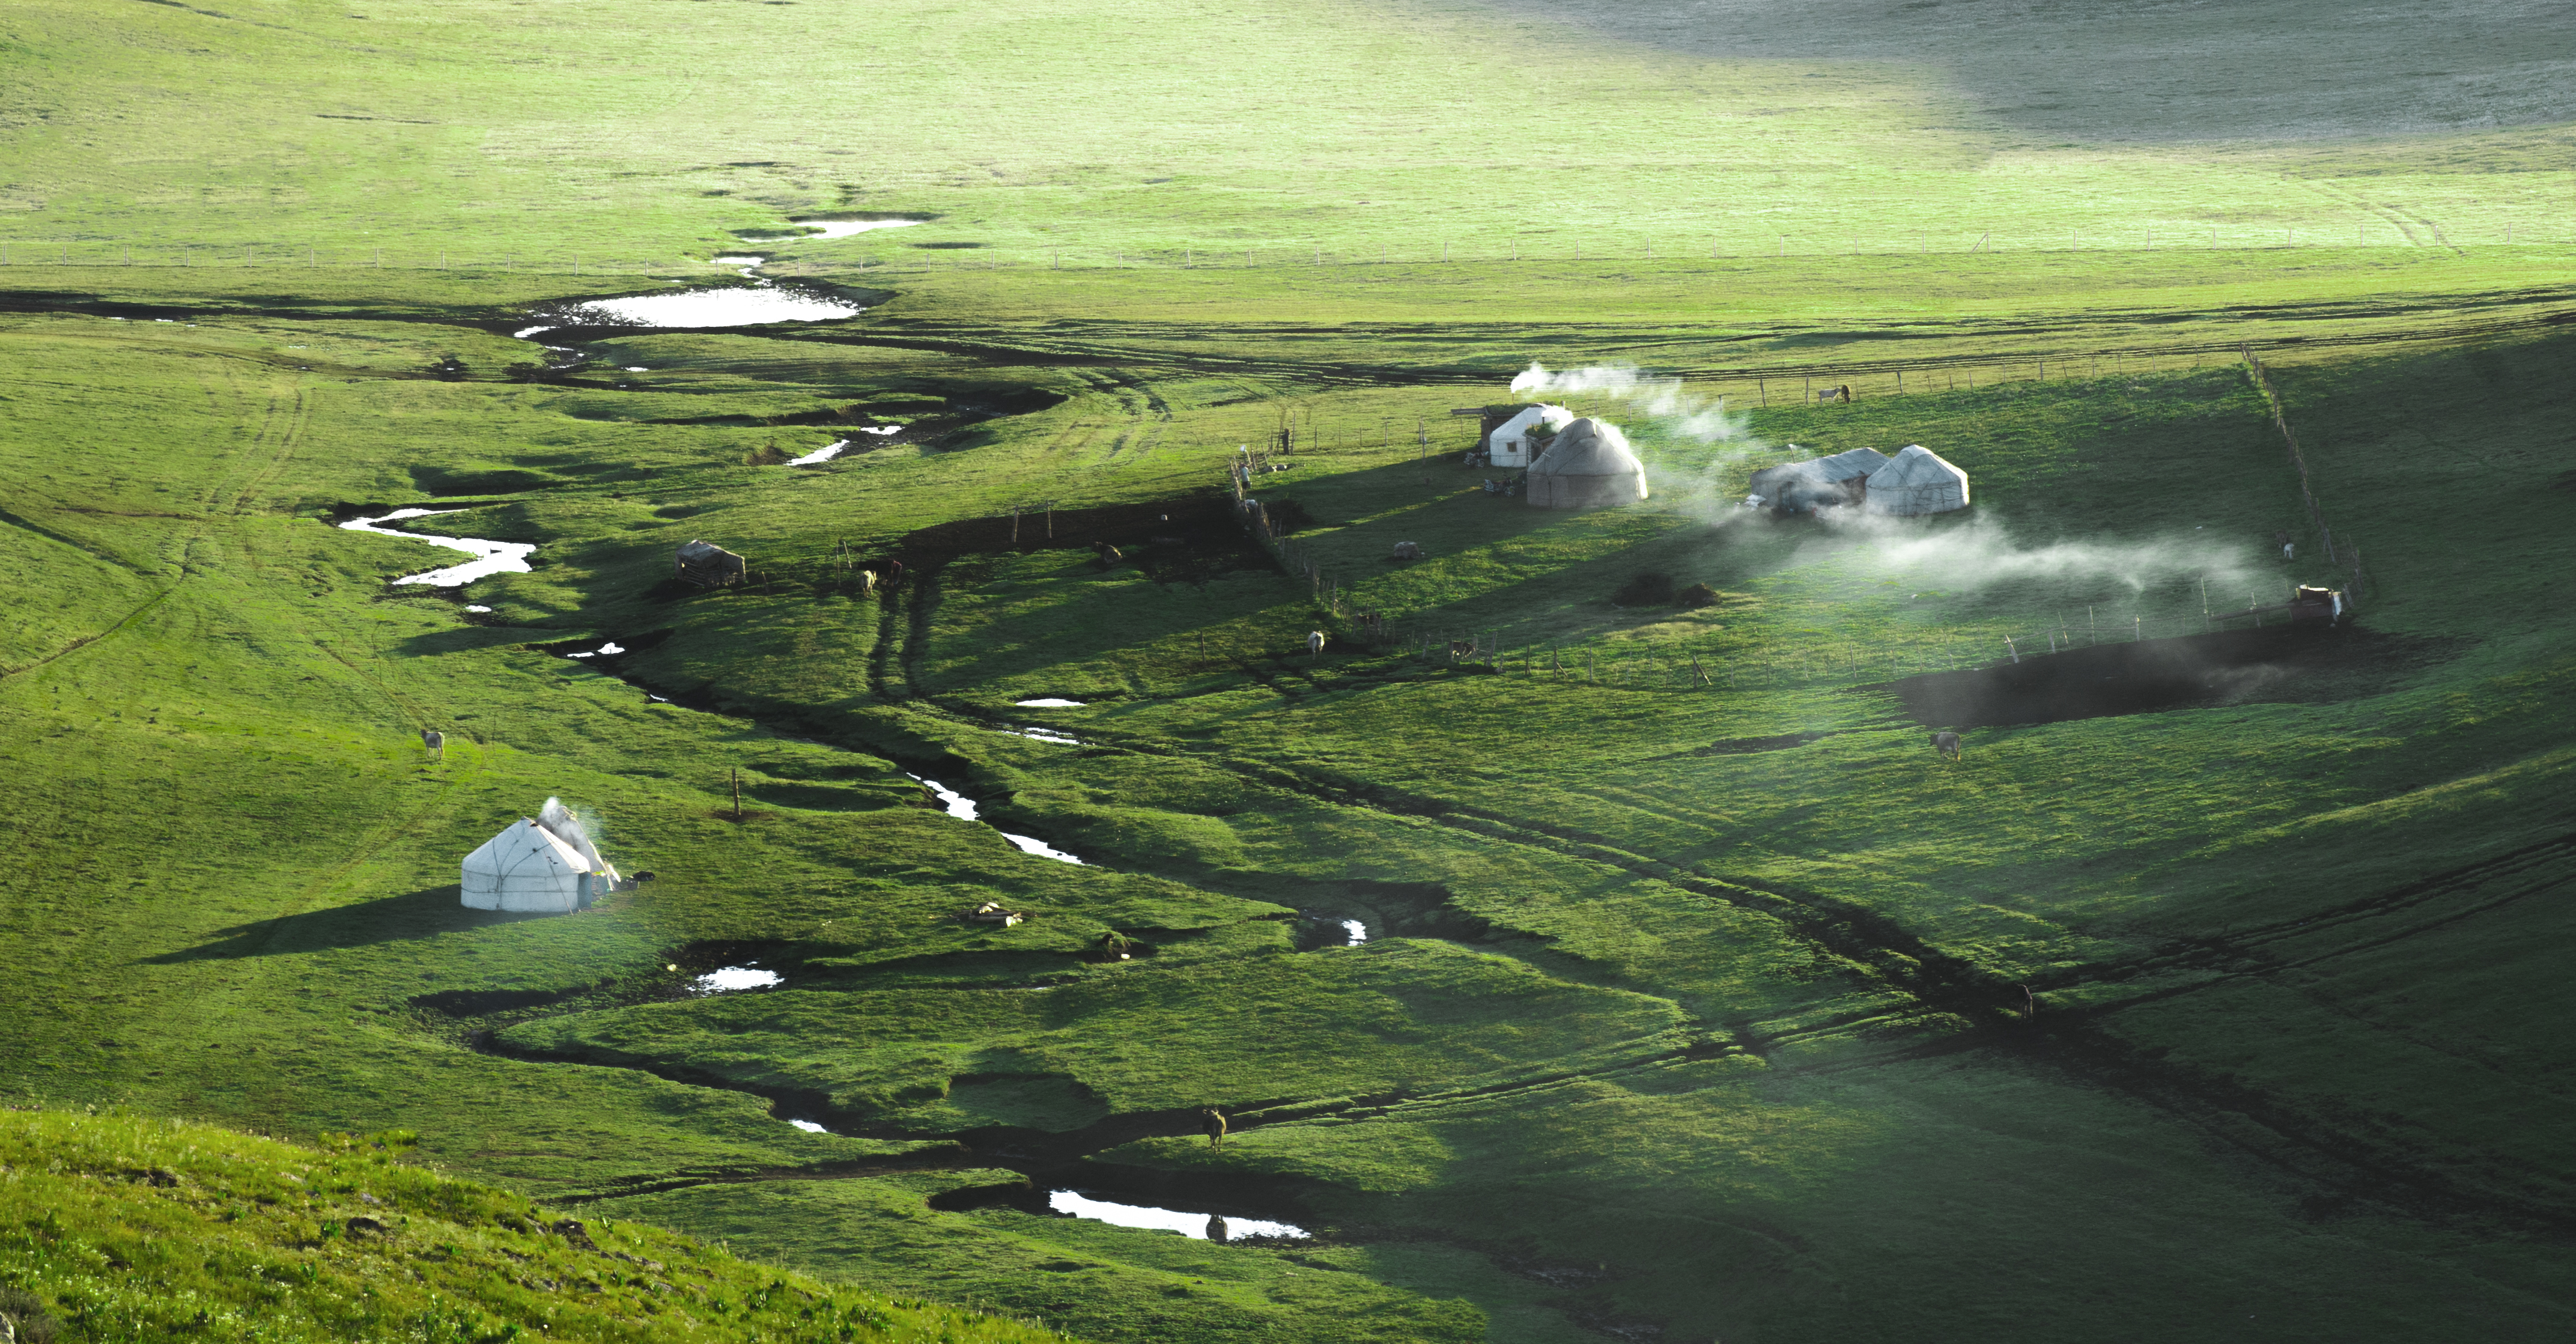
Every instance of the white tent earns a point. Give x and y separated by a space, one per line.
1509 444
1589 466
532 869
1798 487
1916 481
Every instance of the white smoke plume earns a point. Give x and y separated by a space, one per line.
1981 552
1663 399
566 825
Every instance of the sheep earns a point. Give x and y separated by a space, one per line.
1947 744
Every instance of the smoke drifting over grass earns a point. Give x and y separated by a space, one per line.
1971 554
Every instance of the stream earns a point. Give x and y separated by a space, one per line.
963 808
494 557
1196 1226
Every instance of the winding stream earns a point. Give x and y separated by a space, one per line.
963 808
495 557
1196 1226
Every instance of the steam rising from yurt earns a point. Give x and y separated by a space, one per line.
547 864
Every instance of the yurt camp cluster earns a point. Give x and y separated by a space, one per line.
1915 482
1567 461
1577 462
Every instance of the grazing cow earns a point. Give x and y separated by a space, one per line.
1947 744
1315 643
1212 1124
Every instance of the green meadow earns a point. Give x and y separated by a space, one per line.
1693 996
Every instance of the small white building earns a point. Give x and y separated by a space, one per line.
1512 443
533 866
1916 481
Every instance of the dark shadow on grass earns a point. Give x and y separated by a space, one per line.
425 913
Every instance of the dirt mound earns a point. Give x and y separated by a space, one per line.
2285 663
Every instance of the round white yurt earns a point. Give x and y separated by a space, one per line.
1589 466
1916 481
532 869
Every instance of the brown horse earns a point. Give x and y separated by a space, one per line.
1947 744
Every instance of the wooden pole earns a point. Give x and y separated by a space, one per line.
737 793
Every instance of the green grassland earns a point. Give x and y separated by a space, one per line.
1691 1004
128 1228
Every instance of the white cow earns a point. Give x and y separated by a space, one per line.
1315 643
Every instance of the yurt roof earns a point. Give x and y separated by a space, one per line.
521 844
1915 465
1843 466
1588 447
1529 415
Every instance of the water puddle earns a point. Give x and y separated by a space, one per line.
730 978
476 606
1196 1226
1047 735
609 649
809 1126
494 557
963 808
733 306
820 455
1356 931
1048 702
835 228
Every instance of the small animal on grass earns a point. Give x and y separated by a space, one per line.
1947 744
1408 550
1461 649
1107 554
1212 1124
1315 643
435 741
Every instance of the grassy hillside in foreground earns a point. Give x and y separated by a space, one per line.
116 1227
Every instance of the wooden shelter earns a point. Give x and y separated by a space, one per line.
710 566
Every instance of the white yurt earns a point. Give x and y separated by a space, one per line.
1588 466
1508 445
1916 481
1802 487
538 866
